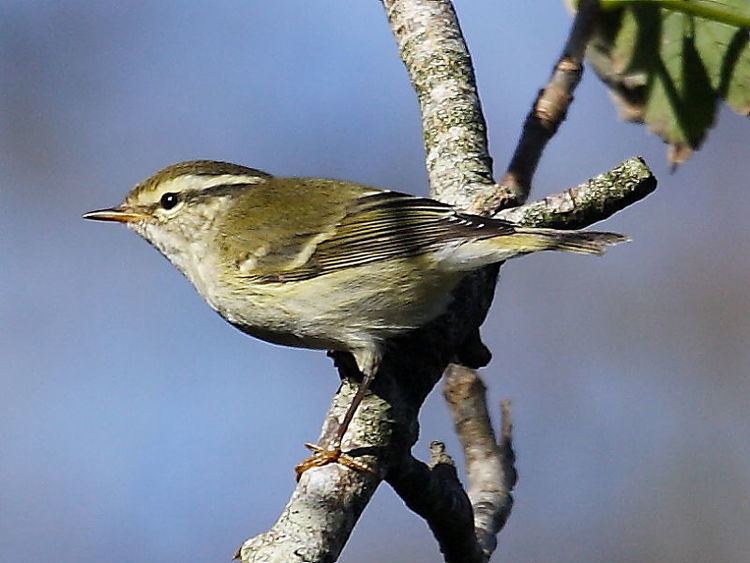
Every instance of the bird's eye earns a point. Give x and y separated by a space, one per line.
169 200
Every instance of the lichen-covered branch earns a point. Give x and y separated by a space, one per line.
590 202
325 505
327 501
439 498
433 49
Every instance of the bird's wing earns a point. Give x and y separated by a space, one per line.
385 225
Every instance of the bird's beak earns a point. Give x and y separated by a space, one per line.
116 214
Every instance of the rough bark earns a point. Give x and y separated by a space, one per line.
433 49
327 502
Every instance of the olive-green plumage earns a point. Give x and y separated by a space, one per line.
322 263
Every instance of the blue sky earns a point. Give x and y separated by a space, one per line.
135 425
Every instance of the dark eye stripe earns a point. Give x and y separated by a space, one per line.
214 191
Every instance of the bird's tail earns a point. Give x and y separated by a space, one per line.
581 242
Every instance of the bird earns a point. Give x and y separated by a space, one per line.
322 263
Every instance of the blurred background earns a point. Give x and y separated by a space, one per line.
136 426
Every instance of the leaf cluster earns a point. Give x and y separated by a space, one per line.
670 69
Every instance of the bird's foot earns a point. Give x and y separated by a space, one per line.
323 456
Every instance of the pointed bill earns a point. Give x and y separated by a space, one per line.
114 214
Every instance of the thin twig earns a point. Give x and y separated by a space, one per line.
465 527
548 111
489 465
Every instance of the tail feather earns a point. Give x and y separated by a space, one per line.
580 242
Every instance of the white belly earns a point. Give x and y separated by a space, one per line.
346 309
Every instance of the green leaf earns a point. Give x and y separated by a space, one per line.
670 69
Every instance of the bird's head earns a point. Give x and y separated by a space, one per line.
176 208
166 195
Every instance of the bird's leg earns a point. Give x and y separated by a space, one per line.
364 385
332 453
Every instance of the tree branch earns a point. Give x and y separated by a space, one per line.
439 497
433 49
312 527
490 466
464 526
327 502
590 202
434 492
